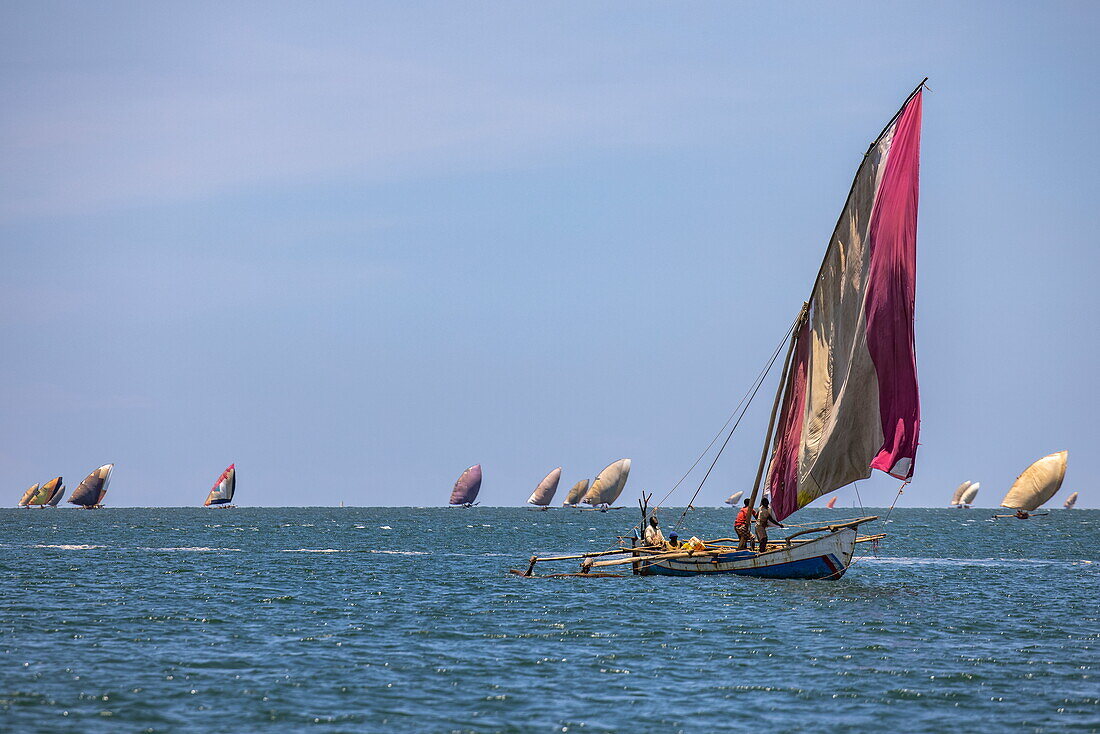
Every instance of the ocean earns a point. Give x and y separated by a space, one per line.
407 620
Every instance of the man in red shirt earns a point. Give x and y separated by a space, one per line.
741 525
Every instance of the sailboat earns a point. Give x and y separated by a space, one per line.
847 400
45 493
25 500
56 497
1037 484
956 498
970 493
466 488
734 498
1070 501
544 493
91 491
576 492
608 485
222 491
964 494
831 503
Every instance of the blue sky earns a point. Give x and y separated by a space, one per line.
355 248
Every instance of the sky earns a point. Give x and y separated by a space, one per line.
355 247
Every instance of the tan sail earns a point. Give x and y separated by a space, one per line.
26 498
546 489
576 493
734 498
970 493
45 492
1071 501
1038 483
609 484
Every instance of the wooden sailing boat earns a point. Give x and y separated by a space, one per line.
223 490
25 500
56 497
847 401
608 485
831 503
734 498
576 493
45 493
1037 484
92 490
466 488
544 493
1070 501
964 494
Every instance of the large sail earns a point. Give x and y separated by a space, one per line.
467 486
957 498
45 493
222 491
576 493
850 403
609 484
1038 483
970 493
546 489
26 498
1071 501
57 496
734 498
92 490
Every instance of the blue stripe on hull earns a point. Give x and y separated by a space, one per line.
819 567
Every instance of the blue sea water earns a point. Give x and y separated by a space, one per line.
399 619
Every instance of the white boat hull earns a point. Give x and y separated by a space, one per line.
827 557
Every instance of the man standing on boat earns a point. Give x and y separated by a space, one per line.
763 518
741 526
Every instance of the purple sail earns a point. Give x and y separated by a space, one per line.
467 486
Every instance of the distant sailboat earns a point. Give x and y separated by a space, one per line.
956 498
544 493
222 491
970 493
45 493
576 493
467 487
91 491
609 484
56 497
831 503
25 500
1071 501
734 498
1038 483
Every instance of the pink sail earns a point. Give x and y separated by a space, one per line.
851 402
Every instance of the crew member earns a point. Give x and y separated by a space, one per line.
763 519
653 535
741 525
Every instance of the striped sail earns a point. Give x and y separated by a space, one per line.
468 485
734 498
222 491
957 497
1071 501
850 401
970 493
26 498
609 484
94 487
45 493
57 496
546 489
1038 483
576 493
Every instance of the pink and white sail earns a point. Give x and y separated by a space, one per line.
851 402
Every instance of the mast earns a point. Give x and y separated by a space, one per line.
779 392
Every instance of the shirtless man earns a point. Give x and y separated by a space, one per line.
763 519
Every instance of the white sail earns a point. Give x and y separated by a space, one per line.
734 498
956 499
609 484
970 493
576 493
1071 501
1038 483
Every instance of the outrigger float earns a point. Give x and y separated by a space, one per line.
847 400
